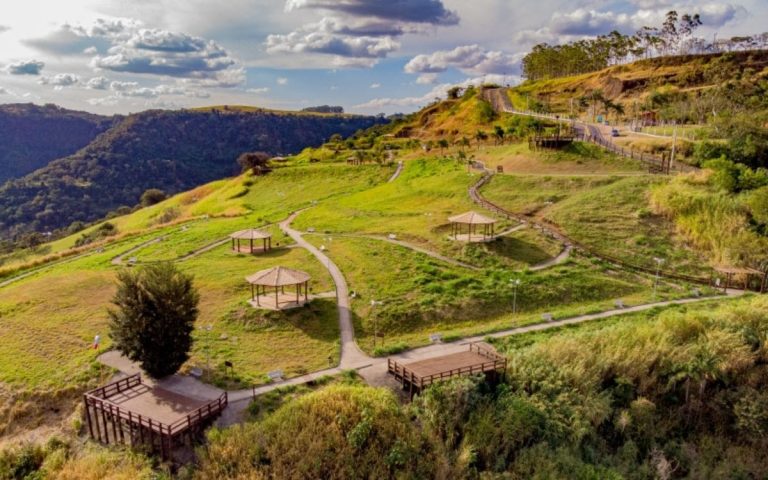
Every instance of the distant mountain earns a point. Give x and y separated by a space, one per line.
31 136
170 150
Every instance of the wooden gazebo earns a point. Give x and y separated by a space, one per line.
250 236
747 274
279 278
471 220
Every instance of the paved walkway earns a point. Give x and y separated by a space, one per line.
350 353
373 370
400 166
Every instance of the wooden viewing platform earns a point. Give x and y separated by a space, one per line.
133 413
555 142
479 358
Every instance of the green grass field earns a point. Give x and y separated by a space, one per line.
422 295
608 214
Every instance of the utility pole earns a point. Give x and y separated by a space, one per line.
374 303
658 261
515 283
674 148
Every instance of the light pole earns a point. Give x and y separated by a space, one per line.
374 303
659 262
515 283
207 347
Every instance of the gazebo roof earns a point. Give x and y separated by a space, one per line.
250 234
278 277
472 218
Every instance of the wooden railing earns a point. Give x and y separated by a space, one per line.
114 388
497 362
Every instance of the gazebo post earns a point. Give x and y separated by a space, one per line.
252 294
233 244
258 300
251 245
264 248
298 292
277 298
763 282
306 291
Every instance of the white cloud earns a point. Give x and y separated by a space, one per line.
3 91
258 91
60 80
375 85
470 59
282 81
97 83
427 79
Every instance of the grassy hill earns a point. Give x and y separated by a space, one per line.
170 150
31 136
579 400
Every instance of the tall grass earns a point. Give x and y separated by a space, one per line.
711 220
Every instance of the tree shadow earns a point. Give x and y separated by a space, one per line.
518 250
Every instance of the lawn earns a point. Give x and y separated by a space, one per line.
579 158
415 207
422 295
259 200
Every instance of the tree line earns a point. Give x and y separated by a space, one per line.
674 37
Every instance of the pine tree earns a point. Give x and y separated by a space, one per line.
155 316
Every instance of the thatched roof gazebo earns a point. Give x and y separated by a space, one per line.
472 220
278 278
747 274
249 236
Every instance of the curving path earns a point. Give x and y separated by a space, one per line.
400 166
350 354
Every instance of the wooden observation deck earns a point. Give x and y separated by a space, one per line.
479 358
133 413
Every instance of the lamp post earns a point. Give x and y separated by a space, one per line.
515 283
207 347
374 303
659 262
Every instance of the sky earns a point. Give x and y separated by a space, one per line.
369 56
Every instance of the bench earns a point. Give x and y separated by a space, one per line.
392 236
436 338
547 317
275 375
619 303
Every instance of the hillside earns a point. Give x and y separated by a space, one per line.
637 85
31 136
170 150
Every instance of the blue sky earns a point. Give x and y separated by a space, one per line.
370 56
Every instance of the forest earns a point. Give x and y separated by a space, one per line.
169 150
31 136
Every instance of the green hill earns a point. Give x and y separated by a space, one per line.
170 150
31 136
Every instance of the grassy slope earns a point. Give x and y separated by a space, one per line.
53 315
609 214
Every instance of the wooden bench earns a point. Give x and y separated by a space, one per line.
276 375
436 338
547 317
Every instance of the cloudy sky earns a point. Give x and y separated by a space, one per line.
368 55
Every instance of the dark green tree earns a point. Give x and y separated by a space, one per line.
154 318
152 196
256 162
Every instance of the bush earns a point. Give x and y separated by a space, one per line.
151 197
